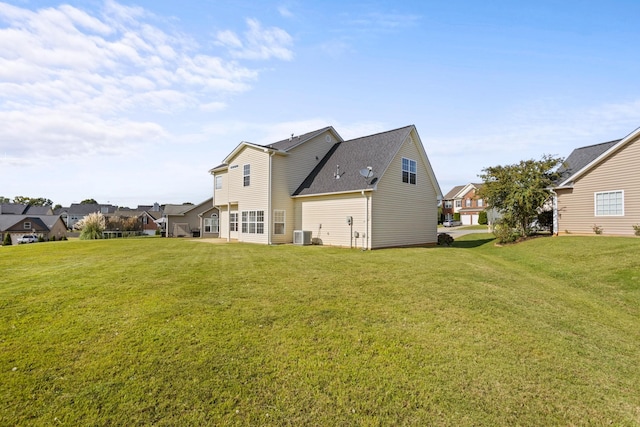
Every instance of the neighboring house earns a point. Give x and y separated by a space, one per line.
371 192
77 211
19 219
600 186
148 220
463 199
146 217
199 220
48 227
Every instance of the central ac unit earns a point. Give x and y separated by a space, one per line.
301 237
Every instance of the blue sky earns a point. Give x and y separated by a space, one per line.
133 102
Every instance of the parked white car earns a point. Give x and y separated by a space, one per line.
28 238
452 223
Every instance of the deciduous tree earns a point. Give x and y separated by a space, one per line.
33 201
518 191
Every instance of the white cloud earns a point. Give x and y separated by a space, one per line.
259 43
75 82
285 12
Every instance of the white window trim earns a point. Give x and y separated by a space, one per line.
276 214
26 226
233 221
218 182
212 223
595 203
415 174
246 175
252 222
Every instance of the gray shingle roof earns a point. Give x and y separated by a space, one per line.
348 158
453 192
13 208
78 209
177 209
581 157
44 221
286 144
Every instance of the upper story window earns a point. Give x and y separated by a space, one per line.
467 203
480 203
409 169
609 203
246 175
219 182
448 204
458 203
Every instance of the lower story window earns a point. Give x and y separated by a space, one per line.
211 224
233 221
609 203
253 222
278 221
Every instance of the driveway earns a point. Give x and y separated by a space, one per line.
460 231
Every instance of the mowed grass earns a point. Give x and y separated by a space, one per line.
157 331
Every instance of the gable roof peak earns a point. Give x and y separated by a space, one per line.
294 140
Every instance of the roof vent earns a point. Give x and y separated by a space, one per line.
337 173
291 137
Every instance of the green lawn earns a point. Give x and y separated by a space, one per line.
154 331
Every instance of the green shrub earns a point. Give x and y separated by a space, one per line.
504 233
7 240
482 218
456 216
445 239
636 229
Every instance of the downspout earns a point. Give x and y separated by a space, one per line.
365 241
268 225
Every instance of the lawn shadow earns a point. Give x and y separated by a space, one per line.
473 240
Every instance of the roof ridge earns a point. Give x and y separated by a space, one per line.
380 133
599 143
305 136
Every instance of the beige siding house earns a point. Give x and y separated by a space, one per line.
370 192
600 187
